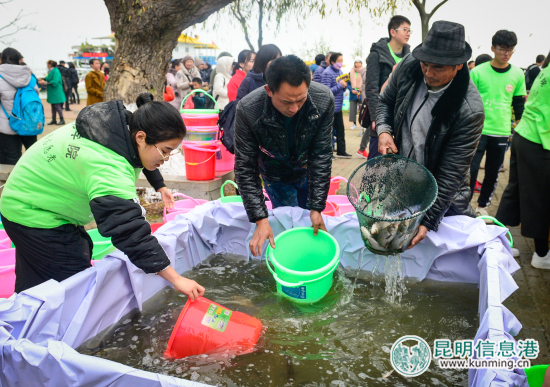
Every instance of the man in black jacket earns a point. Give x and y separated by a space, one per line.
384 55
65 75
283 132
432 112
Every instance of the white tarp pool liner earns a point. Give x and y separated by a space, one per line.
40 327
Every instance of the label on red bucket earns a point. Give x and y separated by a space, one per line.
216 317
297 292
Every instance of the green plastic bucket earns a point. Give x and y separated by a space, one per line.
230 199
303 263
535 375
102 245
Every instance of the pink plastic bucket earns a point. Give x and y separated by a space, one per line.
200 119
7 272
343 203
182 206
335 184
5 241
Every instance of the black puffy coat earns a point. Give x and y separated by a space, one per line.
452 137
261 148
380 64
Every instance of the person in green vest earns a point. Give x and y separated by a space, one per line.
501 86
56 94
525 199
87 171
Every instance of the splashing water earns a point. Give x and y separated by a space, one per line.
395 279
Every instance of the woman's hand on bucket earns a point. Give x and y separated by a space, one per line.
263 231
183 285
167 198
421 234
317 222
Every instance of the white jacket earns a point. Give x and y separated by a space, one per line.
222 78
14 76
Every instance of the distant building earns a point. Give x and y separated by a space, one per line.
188 45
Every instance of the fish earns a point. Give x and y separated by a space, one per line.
386 232
372 242
400 237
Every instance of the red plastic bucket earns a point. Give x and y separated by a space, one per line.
200 161
205 326
335 184
331 209
200 119
225 161
155 227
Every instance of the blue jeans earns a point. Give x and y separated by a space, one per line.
287 194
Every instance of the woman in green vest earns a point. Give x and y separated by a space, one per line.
84 171
56 94
525 199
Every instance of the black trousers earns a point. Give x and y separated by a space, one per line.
10 147
340 133
43 254
525 199
57 108
495 148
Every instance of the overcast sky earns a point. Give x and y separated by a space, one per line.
61 24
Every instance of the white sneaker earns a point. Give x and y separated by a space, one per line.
541 262
515 252
353 127
481 211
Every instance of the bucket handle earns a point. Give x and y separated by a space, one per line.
224 184
198 91
499 224
333 208
300 283
179 195
338 178
266 195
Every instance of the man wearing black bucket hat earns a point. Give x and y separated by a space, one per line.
432 112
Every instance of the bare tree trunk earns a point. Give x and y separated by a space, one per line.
146 33
260 20
424 16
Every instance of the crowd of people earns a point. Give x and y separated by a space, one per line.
431 104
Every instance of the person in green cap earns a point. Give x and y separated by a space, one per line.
87 171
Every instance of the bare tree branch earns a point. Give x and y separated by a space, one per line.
13 24
236 10
437 7
260 20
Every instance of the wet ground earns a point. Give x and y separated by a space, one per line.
343 340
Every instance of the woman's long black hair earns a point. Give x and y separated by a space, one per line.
158 119
244 57
265 54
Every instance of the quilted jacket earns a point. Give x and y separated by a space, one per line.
261 148
452 137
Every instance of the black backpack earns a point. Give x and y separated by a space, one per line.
226 124
364 115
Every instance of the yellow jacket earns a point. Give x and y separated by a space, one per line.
95 82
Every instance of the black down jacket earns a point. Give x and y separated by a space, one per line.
261 148
452 137
380 64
